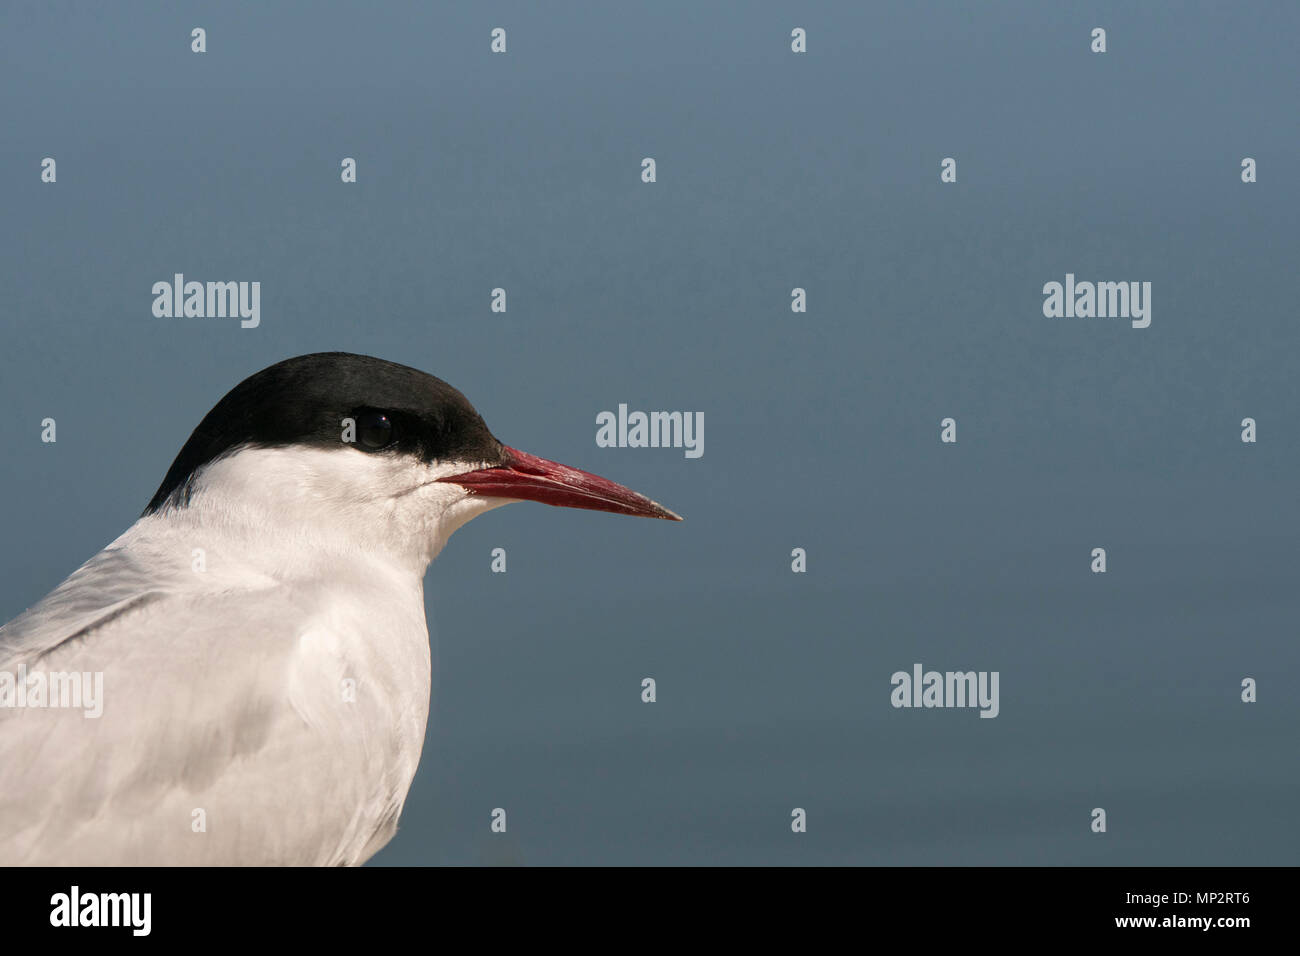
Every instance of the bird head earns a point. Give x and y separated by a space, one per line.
364 453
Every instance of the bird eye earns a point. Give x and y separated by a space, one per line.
374 430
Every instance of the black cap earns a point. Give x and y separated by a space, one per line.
303 401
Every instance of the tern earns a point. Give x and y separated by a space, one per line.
259 633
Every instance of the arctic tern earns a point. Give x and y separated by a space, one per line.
260 630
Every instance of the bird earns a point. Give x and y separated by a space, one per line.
261 629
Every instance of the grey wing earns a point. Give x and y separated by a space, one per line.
109 584
209 747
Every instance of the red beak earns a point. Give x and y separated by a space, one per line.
526 477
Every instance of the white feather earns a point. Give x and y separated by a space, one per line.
224 689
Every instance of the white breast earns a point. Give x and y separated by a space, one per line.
269 708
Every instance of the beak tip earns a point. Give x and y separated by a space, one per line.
653 509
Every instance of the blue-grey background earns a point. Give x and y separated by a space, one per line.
775 170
